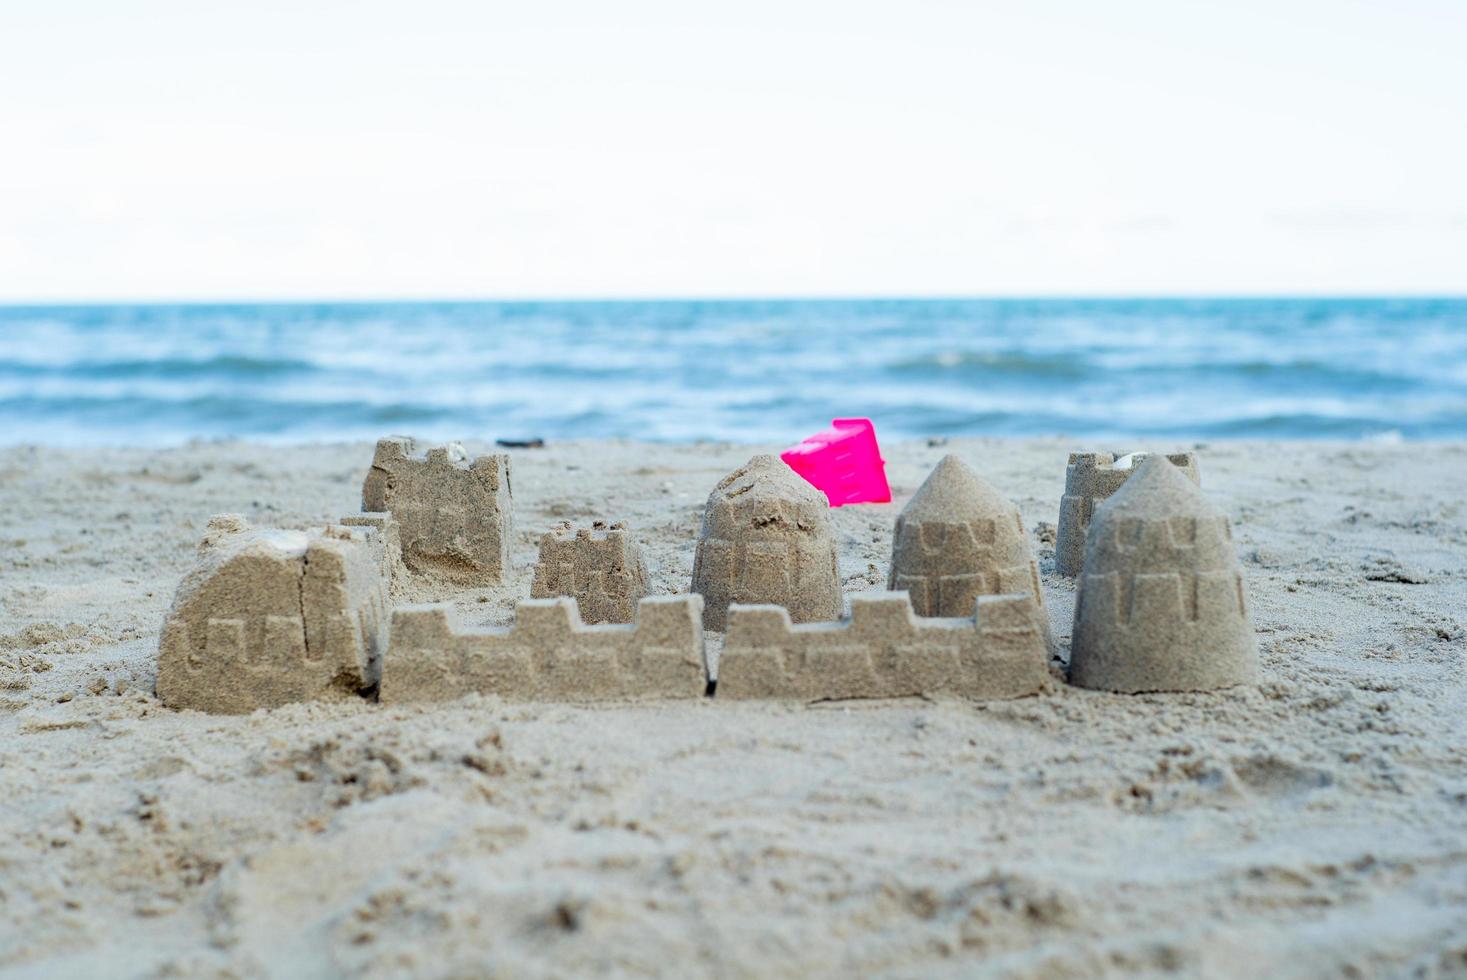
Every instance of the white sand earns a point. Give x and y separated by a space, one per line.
1316 825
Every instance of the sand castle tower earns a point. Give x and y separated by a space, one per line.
602 569
268 616
959 538
1161 605
1090 478
766 539
455 514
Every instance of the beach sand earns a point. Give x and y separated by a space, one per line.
1313 825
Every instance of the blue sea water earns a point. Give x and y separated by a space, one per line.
738 370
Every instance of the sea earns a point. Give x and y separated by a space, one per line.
1099 371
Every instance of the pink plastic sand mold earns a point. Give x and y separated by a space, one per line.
844 462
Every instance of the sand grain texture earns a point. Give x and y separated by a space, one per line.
1315 824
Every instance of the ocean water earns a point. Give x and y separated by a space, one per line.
746 371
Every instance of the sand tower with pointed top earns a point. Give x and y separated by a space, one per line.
766 539
1090 478
1161 603
958 538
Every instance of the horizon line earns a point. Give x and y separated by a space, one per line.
406 300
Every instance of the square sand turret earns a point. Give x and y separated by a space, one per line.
548 654
885 651
455 514
268 617
601 569
1089 479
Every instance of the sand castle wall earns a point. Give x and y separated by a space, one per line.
548 654
455 515
1161 603
602 570
269 617
766 538
1091 478
884 651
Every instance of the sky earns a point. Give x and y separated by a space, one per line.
188 150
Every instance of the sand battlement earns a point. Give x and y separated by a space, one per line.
1102 462
603 546
1167 533
883 650
941 537
1145 599
548 654
394 449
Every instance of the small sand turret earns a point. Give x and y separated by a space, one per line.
959 538
1161 604
455 514
766 539
1090 478
601 569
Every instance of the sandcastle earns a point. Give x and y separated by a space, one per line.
885 651
959 538
1089 479
455 515
1161 603
602 569
766 539
548 654
268 617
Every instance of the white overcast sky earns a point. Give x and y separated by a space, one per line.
197 149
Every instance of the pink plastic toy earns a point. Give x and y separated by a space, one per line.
844 461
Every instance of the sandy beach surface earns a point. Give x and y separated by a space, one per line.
1313 826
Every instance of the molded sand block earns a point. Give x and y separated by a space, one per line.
1090 478
269 617
884 651
959 538
1161 603
455 515
843 462
602 570
548 654
385 543
766 539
